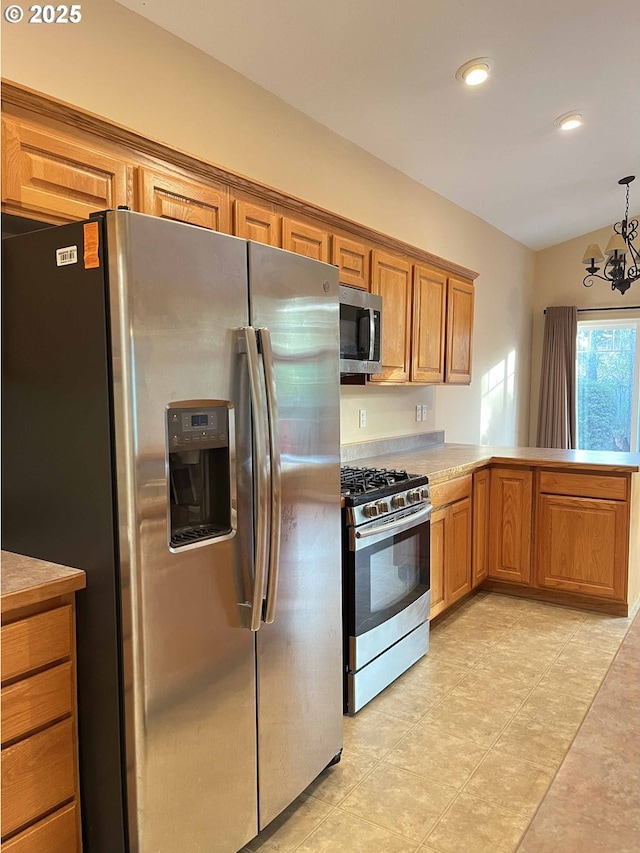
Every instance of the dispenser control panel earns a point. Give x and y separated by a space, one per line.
193 428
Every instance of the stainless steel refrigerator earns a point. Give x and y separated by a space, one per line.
171 426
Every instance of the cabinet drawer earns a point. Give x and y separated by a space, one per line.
584 485
57 833
33 702
38 774
35 642
451 490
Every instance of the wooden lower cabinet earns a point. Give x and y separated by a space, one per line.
40 792
582 543
480 531
510 504
450 544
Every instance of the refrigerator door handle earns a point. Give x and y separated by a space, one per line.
276 475
260 466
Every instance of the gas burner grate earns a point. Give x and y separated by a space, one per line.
359 481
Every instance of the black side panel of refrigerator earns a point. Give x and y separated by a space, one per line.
58 498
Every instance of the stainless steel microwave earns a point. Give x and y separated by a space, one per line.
360 331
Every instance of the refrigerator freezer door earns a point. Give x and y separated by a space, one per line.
177 295
299 655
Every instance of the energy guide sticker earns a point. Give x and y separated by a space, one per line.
67 255
91 244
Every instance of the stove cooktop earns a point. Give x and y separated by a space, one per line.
360 485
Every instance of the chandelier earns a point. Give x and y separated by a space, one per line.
620 251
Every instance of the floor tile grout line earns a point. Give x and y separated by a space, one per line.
491 648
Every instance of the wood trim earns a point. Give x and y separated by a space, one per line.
23 98
571 599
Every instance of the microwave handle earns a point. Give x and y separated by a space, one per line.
372 333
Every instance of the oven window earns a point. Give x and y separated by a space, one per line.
388 576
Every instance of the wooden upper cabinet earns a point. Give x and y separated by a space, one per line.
352 260
173 197
429 325
46 176
510 507
305 239
256 222
459 331
391 279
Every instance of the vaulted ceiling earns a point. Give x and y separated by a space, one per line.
382 74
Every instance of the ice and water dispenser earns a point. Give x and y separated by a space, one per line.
200 444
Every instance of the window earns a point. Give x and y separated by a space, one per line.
608 384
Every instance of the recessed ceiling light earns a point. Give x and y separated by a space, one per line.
475 72
569 121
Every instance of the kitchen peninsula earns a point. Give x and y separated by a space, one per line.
561 526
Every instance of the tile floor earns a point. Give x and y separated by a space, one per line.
457 754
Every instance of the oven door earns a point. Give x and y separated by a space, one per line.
387 582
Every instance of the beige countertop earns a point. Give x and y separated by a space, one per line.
446 461
26 580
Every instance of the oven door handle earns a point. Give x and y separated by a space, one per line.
399 526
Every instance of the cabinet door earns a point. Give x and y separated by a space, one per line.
255 222
438 556
429 322
305 239
480 539
46 176
582 545
510 525
391 279
458 551
172 197
352 260
459 331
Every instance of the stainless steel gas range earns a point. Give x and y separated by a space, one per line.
386 582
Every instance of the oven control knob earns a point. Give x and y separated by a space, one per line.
370 510
413 496
398 501
383 507
425 494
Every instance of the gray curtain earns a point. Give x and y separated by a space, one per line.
557 411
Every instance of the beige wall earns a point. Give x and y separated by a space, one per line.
118 65
558 281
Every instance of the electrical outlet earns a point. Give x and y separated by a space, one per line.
418 412
424 412
362 418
